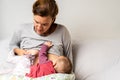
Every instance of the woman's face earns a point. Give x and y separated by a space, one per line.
42 24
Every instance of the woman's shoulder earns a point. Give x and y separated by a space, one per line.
24 26
61 27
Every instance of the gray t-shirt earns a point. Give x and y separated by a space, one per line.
26 38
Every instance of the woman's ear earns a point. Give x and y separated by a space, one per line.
53 20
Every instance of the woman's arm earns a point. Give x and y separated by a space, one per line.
19 51
14 44
67 45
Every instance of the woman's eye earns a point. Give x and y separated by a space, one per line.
44 24
37 22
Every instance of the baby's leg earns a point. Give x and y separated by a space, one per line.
36 60
35 54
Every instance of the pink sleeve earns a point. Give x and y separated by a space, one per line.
43 54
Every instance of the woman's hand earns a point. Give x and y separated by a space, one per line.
19 52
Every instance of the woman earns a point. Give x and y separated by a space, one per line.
29 37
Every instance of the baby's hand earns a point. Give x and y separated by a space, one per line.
48 43
32 51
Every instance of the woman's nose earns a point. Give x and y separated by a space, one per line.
39 26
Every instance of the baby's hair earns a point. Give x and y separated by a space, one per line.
67 65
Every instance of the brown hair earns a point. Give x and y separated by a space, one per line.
45 8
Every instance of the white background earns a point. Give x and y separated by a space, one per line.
85 19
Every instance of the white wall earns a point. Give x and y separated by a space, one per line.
85 19
13 13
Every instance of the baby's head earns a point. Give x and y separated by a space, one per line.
63 65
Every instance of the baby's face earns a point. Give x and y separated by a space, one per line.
57 66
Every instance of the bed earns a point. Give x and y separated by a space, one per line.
93 60
6 68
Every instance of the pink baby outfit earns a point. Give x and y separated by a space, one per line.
44 67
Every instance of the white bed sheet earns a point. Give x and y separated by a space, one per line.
4 51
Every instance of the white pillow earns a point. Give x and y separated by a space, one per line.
4 49
95 59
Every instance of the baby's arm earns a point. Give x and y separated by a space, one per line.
35 52
48 43
43 52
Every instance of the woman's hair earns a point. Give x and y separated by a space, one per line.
45 8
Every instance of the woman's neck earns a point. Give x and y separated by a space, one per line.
51 30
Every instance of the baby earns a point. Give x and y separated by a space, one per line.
45 66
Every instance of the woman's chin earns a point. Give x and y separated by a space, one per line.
39 33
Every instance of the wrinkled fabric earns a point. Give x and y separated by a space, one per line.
41 70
